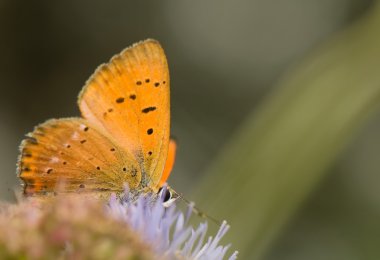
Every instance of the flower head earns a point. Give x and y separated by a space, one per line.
68 228
167 230
76 227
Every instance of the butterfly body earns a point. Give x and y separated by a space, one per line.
122 137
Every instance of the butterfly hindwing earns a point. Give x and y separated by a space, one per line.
75 153
128 98
169 162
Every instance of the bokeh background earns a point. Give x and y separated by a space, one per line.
271 65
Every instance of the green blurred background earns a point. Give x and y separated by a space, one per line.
274 104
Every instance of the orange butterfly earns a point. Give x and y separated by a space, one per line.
123 136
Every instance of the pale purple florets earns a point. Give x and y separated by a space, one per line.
167 230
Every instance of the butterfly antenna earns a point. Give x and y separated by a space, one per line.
195 209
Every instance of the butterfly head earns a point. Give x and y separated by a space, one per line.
168 195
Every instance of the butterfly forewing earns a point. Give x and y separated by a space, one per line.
128 99
76 154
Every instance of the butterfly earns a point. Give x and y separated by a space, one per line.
122 137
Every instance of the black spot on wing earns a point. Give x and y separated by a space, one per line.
148 109
120 100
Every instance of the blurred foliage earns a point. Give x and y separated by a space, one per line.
284 149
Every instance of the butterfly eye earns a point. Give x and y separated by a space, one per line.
167 195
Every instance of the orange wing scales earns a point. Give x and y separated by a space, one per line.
123 138
74 152
129 99
169 162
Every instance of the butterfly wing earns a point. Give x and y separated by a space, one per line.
129 99
76 153
169 162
